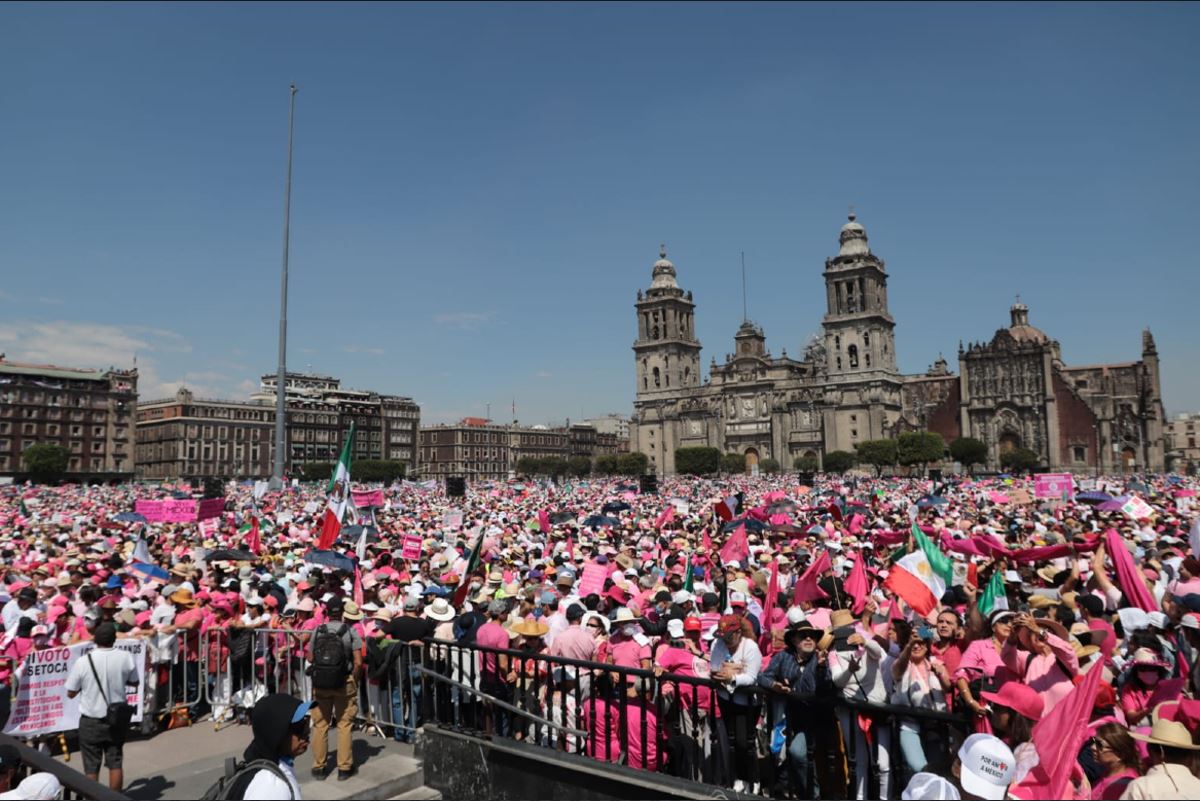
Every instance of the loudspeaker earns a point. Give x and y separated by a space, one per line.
456 486
806 479
214 488
935 474
648 484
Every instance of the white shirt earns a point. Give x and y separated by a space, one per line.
13 613
116 670
749 656
266 786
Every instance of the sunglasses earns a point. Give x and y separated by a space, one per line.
595 625
1099 744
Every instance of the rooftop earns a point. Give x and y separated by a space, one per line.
52 371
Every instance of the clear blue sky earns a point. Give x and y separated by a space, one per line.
481 190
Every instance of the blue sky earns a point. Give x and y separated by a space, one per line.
480 191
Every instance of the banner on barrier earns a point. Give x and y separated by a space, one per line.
1059 486
41 705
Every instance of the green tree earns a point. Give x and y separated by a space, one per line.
606 464
968 451
697 461
632 464
733 463
1019 460
769 465
838 461
529 466
386 471
315 471
879 453
46 462
920 448
579 466
806 464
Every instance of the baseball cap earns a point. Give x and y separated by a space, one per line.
796 616
988 766
692 624
413 603
929 786
737 599
728 624
302 711
675 628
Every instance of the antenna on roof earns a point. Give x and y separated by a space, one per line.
744 315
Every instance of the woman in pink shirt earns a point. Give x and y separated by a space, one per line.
982 659
1146 671
1041 657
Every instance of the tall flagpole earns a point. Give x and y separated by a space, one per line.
281 376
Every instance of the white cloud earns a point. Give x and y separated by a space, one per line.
463 320
363 349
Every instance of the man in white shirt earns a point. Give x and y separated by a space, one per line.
736 662
24 605
115 671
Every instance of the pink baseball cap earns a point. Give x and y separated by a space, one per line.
1021 698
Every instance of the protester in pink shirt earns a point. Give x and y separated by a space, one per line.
1044 659
982 659
641 730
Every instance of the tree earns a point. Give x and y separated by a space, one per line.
969 451
697 461
606 465
315 471
529 466
632 464
838 461
733 463
920 447
579 466
879 453
386 471
46 462
1019 460
806 464
769 465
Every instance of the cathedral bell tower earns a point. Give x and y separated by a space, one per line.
859 335
667 351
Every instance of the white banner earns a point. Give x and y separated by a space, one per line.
40 704
452 519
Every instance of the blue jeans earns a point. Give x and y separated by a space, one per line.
406 712
914 752
801 768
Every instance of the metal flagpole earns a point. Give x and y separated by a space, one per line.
281 376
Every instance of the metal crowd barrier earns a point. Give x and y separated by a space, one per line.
649 720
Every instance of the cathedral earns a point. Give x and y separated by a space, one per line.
845 388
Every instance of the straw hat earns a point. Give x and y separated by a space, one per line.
1170 733
183 598
841 617
382 615
350 611
530 628
441 611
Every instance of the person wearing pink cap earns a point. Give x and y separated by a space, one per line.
1015 708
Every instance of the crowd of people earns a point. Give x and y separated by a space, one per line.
856 636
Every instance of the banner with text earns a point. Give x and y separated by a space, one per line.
1059 486
40 704
364 498
412 547
169 510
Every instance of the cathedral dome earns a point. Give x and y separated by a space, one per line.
663 276
853 239
1021 330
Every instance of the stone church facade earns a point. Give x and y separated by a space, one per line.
845 388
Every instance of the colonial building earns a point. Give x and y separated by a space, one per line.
189 437
480 450
1182 437
88 412
845 388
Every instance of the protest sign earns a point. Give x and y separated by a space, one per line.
363 498
41 705
1058 486
453 519
592 580
1136 509
412 547
170 510
210 508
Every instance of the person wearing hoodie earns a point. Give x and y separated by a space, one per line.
856 665
281 733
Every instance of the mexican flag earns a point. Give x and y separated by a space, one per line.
25 513
915 580
687 575
993 596
941 564
338 494
460 594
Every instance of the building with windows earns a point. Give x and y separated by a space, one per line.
480 450
189 437
88 412
1183 440
845 388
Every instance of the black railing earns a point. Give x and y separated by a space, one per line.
75 784
680 725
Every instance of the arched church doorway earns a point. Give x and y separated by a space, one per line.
751 460
1128 457
1009 441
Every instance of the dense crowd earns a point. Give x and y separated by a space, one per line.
865 637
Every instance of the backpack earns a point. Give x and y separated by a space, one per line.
331 658
237 778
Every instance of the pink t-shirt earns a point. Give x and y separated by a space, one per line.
980 659
682 662
14 651
574 642
190 639
491 635
628 653
603 721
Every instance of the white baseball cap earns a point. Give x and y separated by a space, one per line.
795 616
988 766
675 628
681 597
929 786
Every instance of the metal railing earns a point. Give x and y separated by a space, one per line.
683 726
75 784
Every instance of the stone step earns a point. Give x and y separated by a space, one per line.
421 793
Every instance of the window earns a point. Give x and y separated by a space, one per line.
867 359
657 378
839 362
853 351
837 343
1079 453
866 340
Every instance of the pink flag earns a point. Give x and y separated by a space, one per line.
737 547
571 548
856 522
806 585
706 541
768 608
857 586
358 588
666 516
1058 737
544 521
779 520
1129 578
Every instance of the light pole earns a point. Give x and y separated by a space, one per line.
281 375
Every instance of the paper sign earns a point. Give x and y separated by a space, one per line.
311 507
1059 486
367 497
412 547
1136 509
41 705
453 519
169 511
592 580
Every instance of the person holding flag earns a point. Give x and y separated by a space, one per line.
338 496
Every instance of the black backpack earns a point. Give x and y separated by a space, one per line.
331 659
237 778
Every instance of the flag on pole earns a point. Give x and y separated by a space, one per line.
806 586
736 548
993 596
727 508
687 575
857 586
666 516
914 580
358 587
772 597
338 493
25 513
460 594
1194 538
544 521
941 564
141 552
